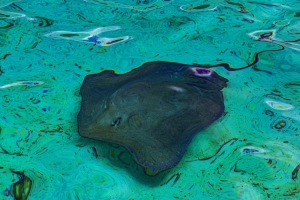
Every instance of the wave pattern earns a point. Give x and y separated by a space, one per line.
46 49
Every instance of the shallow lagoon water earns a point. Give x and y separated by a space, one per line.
48 47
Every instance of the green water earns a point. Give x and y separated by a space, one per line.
48 47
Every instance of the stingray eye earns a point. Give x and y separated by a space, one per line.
116 122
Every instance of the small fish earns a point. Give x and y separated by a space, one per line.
22 83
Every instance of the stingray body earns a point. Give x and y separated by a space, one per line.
154 110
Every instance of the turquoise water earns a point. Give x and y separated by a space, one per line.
48 47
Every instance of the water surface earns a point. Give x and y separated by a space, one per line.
48 47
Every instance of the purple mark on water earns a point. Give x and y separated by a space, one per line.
203 72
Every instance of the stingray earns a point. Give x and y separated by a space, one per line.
154 111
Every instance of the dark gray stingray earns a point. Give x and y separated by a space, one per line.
154 110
